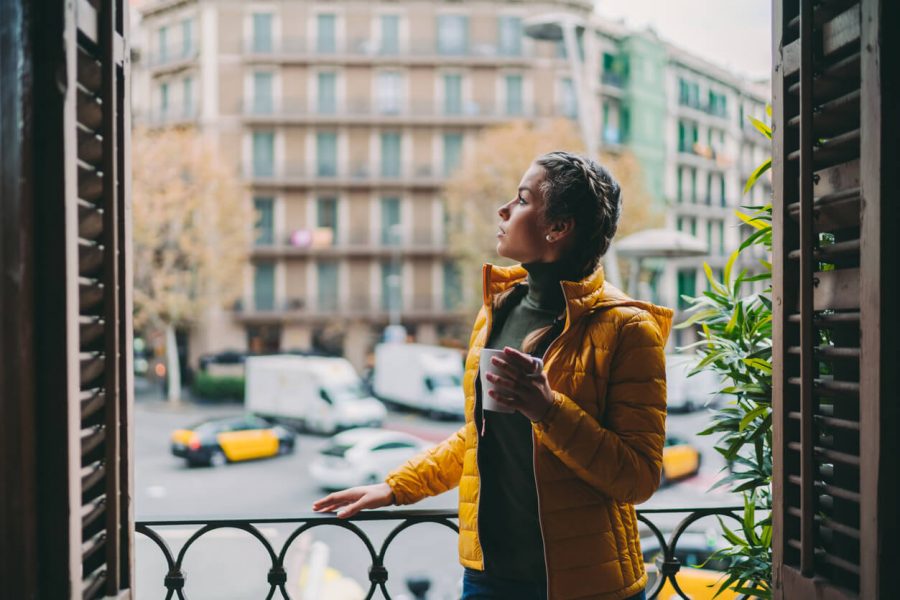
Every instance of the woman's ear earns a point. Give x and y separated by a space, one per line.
561 230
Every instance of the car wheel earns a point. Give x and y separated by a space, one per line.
285 447
217 459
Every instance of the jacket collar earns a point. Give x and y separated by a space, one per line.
591 294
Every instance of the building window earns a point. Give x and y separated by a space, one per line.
693 186
679 189
390 154
187 37
162 41
187 96
453 34
687 286
164 99
612 132
326 154
514 97
452 286
390 34
391 287
511 36
326 101
688 136
263 102
391 234
453 104
327 285
452 152
263 154
326 34
265 220
264 286
709 236
720 225
569 103
326 221
723 201
262 32
389 92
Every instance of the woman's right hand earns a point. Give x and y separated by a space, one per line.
347 503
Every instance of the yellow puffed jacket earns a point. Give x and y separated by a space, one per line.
597 452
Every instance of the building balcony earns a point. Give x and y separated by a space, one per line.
664 529
368 51
361 243
296 111
171 59
169 118
613 80
355 176
371 308
695 109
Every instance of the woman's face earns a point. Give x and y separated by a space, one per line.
521 233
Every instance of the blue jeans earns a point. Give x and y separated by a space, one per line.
477 585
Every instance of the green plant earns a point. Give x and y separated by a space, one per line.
215 387
737 345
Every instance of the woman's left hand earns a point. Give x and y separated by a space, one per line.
519 387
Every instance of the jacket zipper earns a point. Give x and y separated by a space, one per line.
537 488
487 334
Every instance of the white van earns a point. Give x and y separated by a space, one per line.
421 377
320 394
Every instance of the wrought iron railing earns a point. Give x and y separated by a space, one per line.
668 565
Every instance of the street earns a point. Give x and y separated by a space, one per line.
230 564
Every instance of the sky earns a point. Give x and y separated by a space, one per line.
735 34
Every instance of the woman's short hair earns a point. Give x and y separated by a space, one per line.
579 188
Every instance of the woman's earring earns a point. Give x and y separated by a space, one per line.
549 238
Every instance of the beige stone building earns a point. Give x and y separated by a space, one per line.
345 118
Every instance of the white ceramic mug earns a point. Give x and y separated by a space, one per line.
485 366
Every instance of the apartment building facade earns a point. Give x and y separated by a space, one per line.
346 118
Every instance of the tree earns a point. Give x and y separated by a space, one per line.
191 234
490 175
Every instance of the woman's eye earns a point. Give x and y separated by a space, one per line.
521 200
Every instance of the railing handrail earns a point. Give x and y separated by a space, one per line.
668 564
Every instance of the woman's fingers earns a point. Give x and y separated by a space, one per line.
520 360
503 382
337 499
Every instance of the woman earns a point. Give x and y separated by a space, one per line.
547 491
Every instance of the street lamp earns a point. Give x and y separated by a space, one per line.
556 27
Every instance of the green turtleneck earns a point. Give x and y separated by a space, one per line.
508 514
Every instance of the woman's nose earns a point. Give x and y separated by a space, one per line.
503 211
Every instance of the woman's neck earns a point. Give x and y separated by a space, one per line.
544 291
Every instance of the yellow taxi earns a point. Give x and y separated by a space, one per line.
680 460
699 576
220 441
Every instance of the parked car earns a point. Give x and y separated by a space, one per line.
680 460
362 456
220 441
699 577
688 393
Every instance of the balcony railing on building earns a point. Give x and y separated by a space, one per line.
357 174
367 48
326 241
172 55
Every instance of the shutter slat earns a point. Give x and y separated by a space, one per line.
90 292
91 366
833 211
92 474
833 151
840 34
90 147
90 257
91 329
91 511
91 402
91 438
90 220
829 421
832 251
830 352
89 109
93 584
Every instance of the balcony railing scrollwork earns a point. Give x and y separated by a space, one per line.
668 565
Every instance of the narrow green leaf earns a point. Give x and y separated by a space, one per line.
761 127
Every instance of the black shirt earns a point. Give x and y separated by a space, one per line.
508 511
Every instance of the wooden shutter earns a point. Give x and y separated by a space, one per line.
828 277
73 247
104 310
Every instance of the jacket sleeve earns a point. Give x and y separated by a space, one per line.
430 473
622 458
